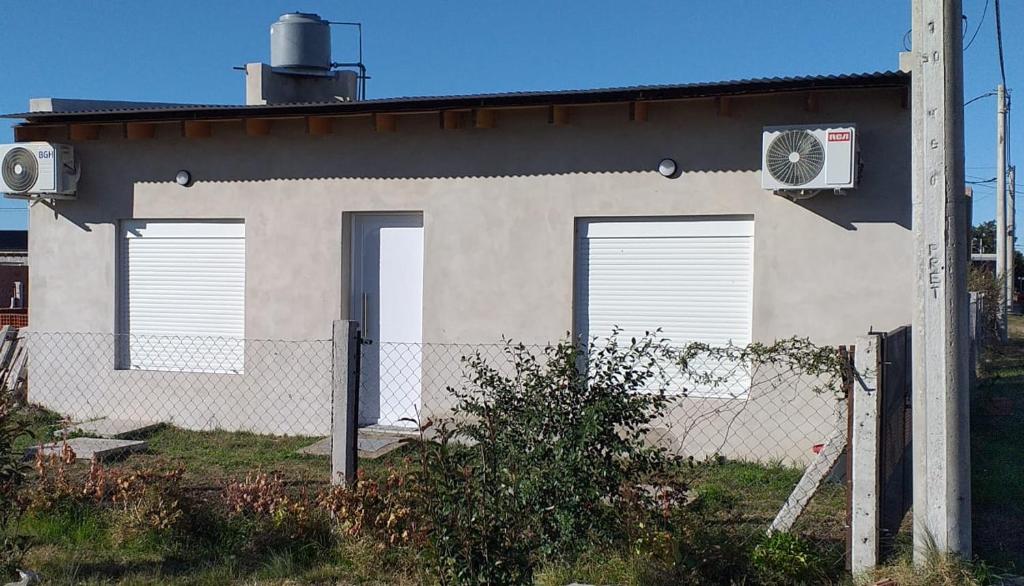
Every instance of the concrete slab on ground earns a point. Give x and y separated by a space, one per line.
370 445
87 448
110 428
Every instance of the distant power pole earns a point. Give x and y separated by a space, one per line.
1002 236
1011 235
941 425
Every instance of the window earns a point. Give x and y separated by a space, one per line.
182 296
691 277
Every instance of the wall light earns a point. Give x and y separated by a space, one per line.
667 167
183 178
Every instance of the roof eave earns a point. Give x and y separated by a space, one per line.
508 100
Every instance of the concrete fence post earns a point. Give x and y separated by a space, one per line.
864 450
345 401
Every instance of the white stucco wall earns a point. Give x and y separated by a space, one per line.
499 208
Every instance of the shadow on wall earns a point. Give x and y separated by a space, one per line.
597 141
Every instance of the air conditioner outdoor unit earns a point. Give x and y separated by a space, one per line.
38 170
800 161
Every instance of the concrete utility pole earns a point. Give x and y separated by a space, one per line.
1011 236
941 424
1001 233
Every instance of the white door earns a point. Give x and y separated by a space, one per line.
182 295
691 277
387 299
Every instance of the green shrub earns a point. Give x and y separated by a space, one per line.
990 289
277 519
383 510
784 558
12 474
556 446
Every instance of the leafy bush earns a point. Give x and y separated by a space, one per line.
541 454
12 474
151 506
992 294
54 487
784 558
384 510
282 520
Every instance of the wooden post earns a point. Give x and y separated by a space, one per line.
318 125
484 118
197 129
83 131
451 119
29 133
558 115
864 444
139 130
638 111
345 403
257 126
385 122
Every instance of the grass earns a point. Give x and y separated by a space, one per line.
997 479
40 424
997 454
735 501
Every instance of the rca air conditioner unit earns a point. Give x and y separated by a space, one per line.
800 161
38 170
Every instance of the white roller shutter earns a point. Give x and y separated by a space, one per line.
693 278
183 295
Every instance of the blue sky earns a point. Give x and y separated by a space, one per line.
183 51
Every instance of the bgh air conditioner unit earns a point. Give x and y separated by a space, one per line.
800 161
38 170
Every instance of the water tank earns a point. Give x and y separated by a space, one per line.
300 41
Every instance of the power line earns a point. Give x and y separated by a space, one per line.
976 98
981 21
999 43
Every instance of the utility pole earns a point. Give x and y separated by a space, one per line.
1011 236
941 424
1002 236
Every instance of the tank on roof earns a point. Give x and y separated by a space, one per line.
301 41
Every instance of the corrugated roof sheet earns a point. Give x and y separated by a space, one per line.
507 99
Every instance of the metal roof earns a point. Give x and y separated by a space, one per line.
117 112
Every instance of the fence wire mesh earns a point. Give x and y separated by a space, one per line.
719 407
748 431
275 387
224 409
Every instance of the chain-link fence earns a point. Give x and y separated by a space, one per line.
763 412
227 408
276 387
719 406
749 428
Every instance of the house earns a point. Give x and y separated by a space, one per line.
14 278
456 220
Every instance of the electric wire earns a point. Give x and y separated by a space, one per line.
981 21
976 98
999 44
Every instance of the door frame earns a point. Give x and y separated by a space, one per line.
352 233
351 273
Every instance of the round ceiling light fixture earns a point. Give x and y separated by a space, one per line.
667 167
183 178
